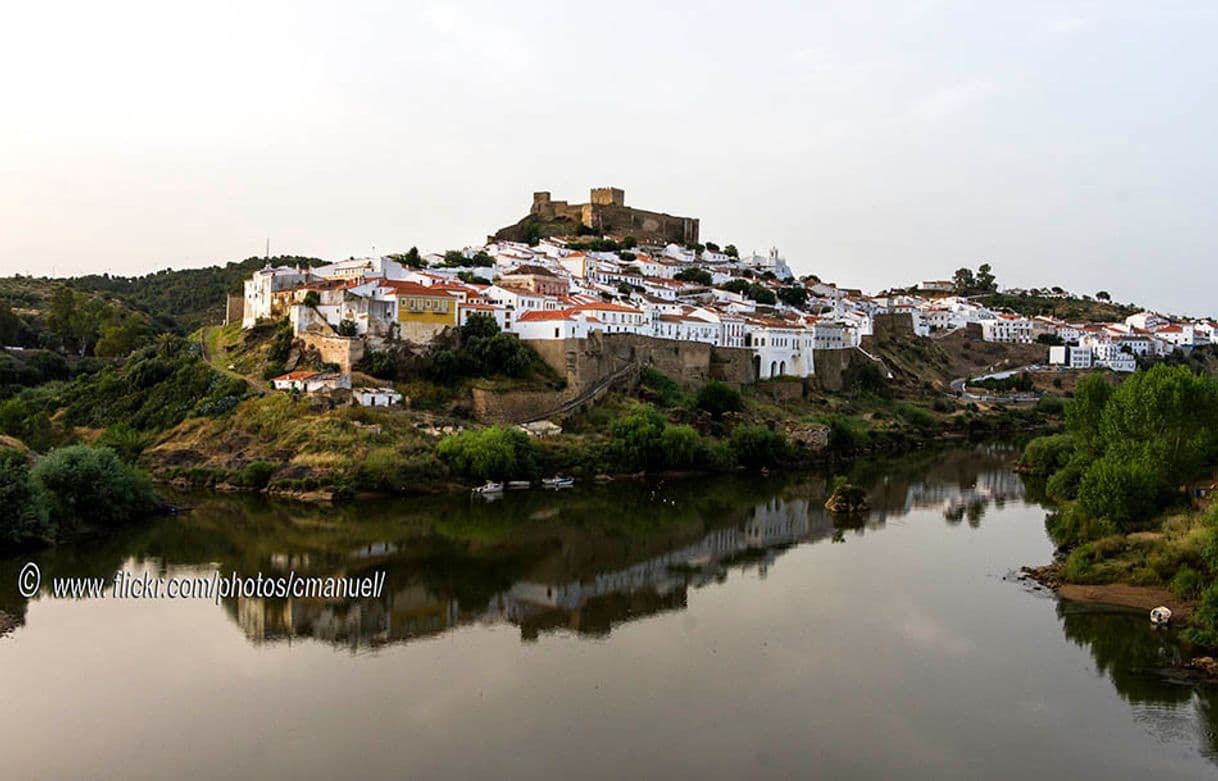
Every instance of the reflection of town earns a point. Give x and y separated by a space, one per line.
586 583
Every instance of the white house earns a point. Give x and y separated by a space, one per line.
1007 328
376 397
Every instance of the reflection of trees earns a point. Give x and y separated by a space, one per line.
1139 660
538 559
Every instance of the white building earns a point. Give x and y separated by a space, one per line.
376 397
1007 328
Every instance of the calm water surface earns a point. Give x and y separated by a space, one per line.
718 629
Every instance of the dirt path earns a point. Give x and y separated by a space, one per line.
217 357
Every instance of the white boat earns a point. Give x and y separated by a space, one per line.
1160 616
557 482
518 485
490 487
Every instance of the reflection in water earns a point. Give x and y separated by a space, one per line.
586 562
1136 656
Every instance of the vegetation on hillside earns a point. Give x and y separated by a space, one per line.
1066 308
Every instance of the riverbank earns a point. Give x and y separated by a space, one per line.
1143 598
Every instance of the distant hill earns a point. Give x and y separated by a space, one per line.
183 300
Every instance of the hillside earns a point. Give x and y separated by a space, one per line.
183 300
1070 309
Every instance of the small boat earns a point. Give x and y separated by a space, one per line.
518 485
1160 616
489 488
557 482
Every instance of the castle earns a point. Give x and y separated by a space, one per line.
607 213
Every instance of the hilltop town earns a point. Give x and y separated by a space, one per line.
624 272
615 340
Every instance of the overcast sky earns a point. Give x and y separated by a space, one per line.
873 143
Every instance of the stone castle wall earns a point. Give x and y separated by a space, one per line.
344 351
585 361
607 211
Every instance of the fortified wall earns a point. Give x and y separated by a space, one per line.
584 362
607 212
595 365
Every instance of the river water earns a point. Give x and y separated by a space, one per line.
726 628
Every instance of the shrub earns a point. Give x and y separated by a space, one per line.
1063 484
1187 583
680 445
123 440
497 452
917 416
755 447
255 474
1049 404
1045 455
379 364
635 439
386 469
864 378
718 399
846 435
89 486
663 388
26 517
1204 628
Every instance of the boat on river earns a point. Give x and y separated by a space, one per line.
489 488
557 482
1160 616
518 485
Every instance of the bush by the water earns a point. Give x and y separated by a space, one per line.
757 446
494 453
70 489
26 515
90 487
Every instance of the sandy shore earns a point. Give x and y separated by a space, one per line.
1117 594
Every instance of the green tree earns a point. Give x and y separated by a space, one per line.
1165 417
694 274
731 251
26 515
680 446
312 299
718 399
1123 492
495 453
120 336
1085 410
635 439
756 447
761 294
794 295
124 440
1104 295
347 328
964 281
985 279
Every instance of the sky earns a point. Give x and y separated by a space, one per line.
875 144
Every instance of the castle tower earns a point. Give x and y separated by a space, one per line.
608 196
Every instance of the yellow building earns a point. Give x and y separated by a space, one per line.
421 311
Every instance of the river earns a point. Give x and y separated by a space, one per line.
725 628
